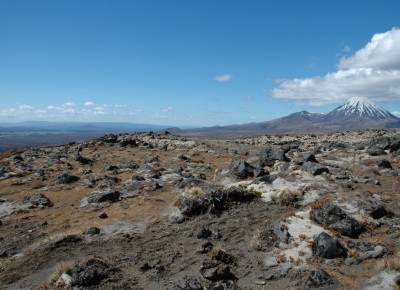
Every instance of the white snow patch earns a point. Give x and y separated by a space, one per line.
384 280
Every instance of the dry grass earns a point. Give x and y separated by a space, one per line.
392 262
61 268
287 196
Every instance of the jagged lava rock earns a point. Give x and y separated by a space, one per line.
268 156
328 247
319 279
334 217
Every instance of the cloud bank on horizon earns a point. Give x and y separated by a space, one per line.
372 72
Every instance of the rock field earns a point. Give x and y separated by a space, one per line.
158 211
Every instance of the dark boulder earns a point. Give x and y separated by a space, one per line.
266 178
394 146
328 247
308 158
93 231
376 211
334 217
111 138
224 285
83 160
89 273
259 172
314 168
66 178
242 169
384 164
381 141
204 233
38 201
319 279
128 142
110 196
376 151
218 273
268 156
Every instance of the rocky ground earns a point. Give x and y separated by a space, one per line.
157 211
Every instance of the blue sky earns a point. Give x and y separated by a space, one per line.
192 62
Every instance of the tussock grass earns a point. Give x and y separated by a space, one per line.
60 269
287 196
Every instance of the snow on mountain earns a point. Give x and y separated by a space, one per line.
361 107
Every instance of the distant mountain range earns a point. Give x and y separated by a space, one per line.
355 114
108 127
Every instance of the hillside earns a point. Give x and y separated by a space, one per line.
158 211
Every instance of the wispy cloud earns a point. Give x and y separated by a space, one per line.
223 78
248 98
396 113
346 48
373 72
168 109
89 104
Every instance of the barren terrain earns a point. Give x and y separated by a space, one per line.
158 211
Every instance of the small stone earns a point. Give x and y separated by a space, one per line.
103 215
204 234
93 231
205 248
189 283
385 164
3 254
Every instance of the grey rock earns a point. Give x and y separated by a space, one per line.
39 200
319 279
204 234
308 158
89 273
266 178
376 211
384 164
93 231
327 246
242 169
98 197
376 151
314 168
218 273
394 146
224 285
363 251
83 160
66 178
3 254
259 172
268 156
189 283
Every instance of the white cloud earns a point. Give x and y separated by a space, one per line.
223 78
396 113
346 49
168 109
120 105
373 72
382 53
69 105
89 104
25 108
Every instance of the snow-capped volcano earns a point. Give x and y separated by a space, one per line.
361 107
